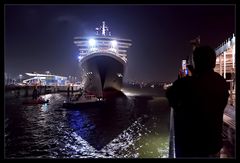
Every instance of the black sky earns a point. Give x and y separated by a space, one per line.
40 37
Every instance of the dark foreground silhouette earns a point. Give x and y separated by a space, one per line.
199 102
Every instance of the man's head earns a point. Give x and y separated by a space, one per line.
204 58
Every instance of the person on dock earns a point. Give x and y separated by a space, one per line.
68 91
35 93
199 102
17 92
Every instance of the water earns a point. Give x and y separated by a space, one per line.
128 127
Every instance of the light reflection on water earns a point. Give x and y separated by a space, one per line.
133 127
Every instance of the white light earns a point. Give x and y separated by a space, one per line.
92 42
119 75
114 43
80 57
129 93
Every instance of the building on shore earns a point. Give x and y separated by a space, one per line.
45 79
225 65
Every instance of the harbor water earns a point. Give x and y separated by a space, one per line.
135 126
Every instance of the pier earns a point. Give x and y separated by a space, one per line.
26 91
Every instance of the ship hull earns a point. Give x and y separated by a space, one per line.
100 73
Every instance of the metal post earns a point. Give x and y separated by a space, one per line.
172 136
233 56
20 78
224 65
220 62
231 92
26 91
5 78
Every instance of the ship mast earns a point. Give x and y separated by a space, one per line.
104 30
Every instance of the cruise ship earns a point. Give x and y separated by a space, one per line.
102 60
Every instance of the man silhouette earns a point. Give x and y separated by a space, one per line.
199 102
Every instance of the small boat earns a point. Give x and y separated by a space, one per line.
82 104
83 101
35 102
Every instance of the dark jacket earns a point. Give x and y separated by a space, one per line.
198 104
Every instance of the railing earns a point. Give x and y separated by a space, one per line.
172 136
108 51
103 45
232 92
229 124
228 129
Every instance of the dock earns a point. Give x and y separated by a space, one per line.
26 91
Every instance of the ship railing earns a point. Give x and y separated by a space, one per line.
172 153
225 46
109 51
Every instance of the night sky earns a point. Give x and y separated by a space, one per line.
40 37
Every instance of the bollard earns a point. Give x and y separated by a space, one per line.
45 88
26 91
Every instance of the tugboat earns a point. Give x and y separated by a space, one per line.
83 100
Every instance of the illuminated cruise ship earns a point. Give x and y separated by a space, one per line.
102 60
